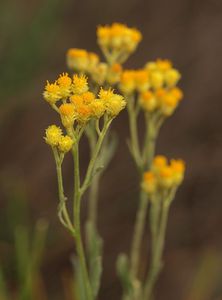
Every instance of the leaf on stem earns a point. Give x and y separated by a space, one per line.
95 248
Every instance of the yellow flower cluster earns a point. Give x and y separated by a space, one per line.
162 74
113 103
103 73
163 101
85 62
118 37
134 81
81 60
78 103
55 138
155 75
163 175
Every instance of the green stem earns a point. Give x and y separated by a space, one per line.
150 143
93 196
91 167
77 223
63 213
156 259
138 234
94 187
148 154
155 210
135 149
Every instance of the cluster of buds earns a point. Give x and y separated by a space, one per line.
118 40
55 138
84 62
79 105
132 81
156 86
163 176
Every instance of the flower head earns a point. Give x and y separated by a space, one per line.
52 92
178 167
118 37
77 59
127 82
149 183
148 101
169 101
83 113
134 80
163 176
81 60
64 83
99 73
52 135
68 114
162 74
65 144
80 84
114 73
114 103
98 108
141 78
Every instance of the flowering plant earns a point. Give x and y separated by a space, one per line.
87 104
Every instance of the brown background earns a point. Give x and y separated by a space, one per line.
34 40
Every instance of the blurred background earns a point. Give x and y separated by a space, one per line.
34 38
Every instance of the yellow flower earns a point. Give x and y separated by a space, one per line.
93 60
67 109
65 144
156 79
98 108
177 93
83 113
127 82
114 103
65 83
166 177
82 60
99 73
88 97
77 59
148 101
80 84
141 80
163 64
76 100
159 161
103 35
168 103
68 114
178 167
52 93
114 73
52 135
172 76
149 183
118 37
159 93
151 66
105 95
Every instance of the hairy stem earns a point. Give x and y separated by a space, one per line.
138 234
157 249
77 222
134 140
63 213
92 163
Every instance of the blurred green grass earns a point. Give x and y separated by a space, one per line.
25 45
